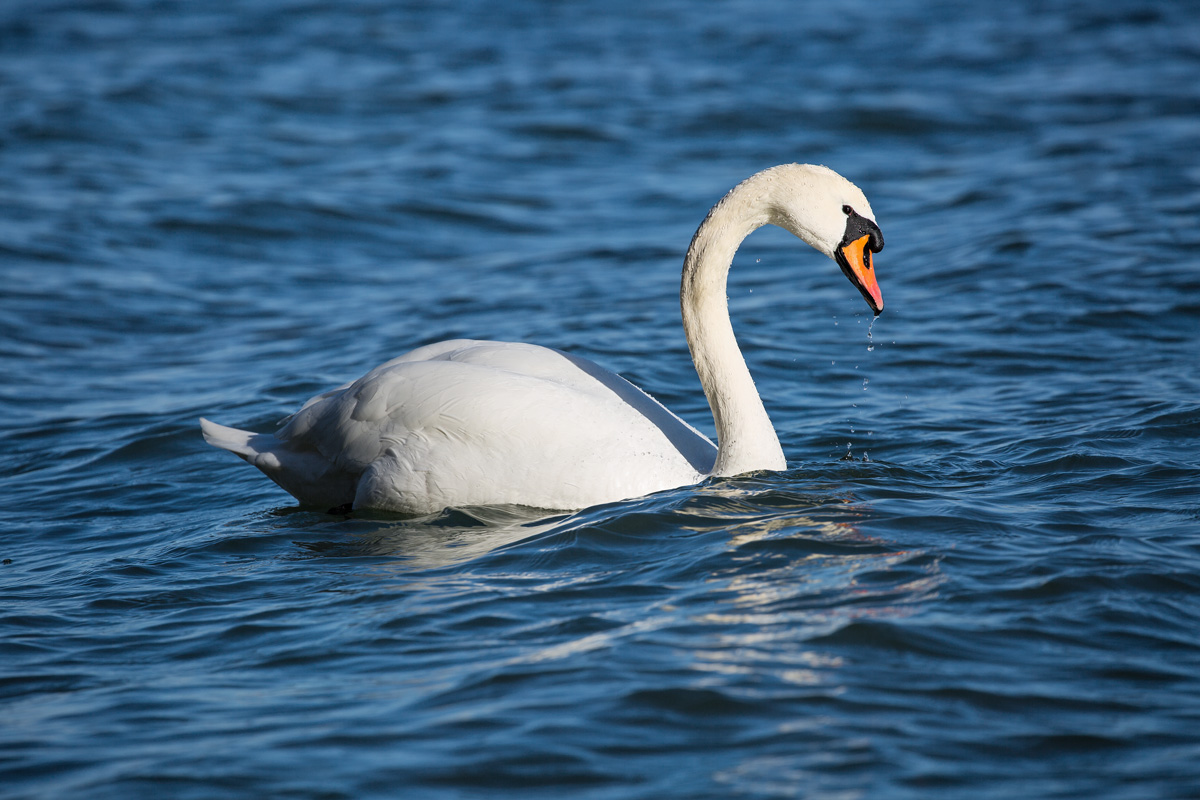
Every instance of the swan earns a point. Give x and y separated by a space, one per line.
472 423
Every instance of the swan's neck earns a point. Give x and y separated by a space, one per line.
746 439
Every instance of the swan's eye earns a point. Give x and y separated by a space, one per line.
847 210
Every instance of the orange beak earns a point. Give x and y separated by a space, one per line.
855 261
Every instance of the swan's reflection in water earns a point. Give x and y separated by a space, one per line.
742 580
453 536
768 549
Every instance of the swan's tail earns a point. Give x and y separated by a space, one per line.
302 473
256 448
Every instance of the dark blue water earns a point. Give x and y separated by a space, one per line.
223 209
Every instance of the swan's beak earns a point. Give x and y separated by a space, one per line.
855 260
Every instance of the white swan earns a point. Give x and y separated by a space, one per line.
465 423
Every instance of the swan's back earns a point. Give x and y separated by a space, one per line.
475 423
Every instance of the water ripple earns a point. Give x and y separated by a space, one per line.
976 577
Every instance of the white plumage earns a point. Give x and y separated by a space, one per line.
463 422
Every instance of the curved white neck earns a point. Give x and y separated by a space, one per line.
746 439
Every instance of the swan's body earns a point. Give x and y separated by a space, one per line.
464 422
453 423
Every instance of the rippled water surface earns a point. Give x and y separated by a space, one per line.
979 576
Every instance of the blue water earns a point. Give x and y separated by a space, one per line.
222 209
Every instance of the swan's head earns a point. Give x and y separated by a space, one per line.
833 215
